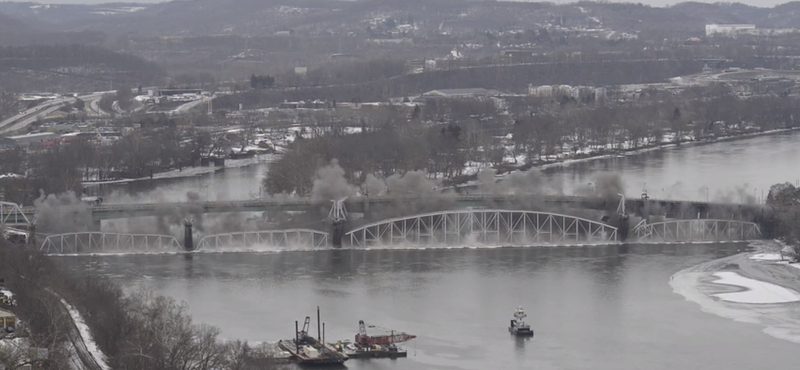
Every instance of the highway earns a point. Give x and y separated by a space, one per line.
24 119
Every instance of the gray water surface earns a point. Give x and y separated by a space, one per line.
599 307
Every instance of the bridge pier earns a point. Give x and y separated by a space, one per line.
338 216
188 242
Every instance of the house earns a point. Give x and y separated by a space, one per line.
8 321
35 139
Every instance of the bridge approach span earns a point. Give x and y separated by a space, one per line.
482 227
698 230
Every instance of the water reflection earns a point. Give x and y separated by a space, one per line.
520 344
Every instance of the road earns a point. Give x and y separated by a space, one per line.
24 119
95 109
183 108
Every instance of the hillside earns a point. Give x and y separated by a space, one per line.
71 67
264 17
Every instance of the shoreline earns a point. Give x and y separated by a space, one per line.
762 267
564 162
626 153
632 152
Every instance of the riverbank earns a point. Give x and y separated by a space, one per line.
190 171
650 148
504 170
757 287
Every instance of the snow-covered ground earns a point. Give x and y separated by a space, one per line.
767 257
86 335
756 291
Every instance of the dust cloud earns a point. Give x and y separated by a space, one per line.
331 184
62 213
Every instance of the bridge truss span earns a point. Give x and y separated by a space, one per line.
12 214
291 238
482 227
99 242
696 230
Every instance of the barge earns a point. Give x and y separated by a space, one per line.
307 350
374 346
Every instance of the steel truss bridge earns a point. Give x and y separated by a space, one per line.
697 230
483 227
12 214
287 239
446 228
98 242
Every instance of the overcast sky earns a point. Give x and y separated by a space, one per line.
762 3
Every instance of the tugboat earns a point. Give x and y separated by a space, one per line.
518 326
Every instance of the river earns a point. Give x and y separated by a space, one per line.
600 307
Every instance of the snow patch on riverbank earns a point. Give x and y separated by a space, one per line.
758 292
86 334
763 302
767 257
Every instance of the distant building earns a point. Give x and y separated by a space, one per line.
37 139
301 71
169 92
728 29
460 93
545 91
8 321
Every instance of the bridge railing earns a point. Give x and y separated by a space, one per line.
99 242
284 239
696 230
482 227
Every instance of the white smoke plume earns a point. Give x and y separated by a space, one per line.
411 183
374 186
330 183
62 213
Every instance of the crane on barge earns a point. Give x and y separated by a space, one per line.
365 340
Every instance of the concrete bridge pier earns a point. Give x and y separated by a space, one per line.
188 239
338 216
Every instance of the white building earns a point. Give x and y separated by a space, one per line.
728 29
540 91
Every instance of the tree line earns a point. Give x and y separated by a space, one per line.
446 135
784 220
159 146
89 61
135 331
505 78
